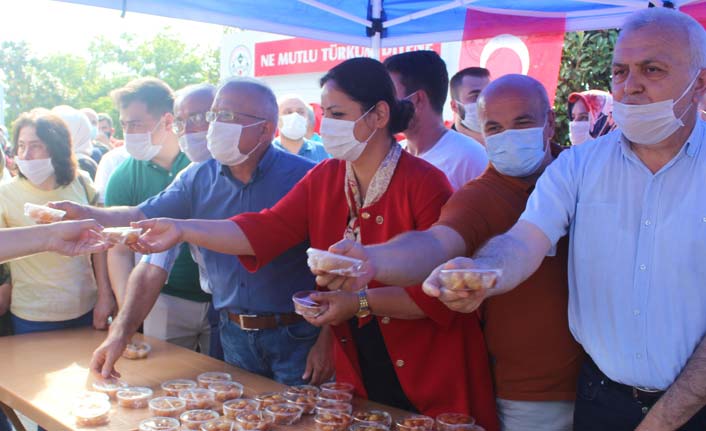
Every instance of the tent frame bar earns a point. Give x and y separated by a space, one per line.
338 12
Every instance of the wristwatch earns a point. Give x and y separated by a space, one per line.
363 306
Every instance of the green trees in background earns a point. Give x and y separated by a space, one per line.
585 65
79 81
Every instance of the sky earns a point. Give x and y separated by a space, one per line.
54 26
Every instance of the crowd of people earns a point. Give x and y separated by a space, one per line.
596 323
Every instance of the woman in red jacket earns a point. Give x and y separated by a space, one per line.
413 352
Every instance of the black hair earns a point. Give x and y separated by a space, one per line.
422 70
367 82
457 79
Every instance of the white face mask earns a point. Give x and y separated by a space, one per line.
194 146
293 126
224 142
652 123
517 152
339 139
470 116
579 132
139 145
37 171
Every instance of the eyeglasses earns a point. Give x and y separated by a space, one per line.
197 119
229 117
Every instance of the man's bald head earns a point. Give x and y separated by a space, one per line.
523 87
198 93
252 92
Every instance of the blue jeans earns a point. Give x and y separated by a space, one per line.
215 349
22 326
279 354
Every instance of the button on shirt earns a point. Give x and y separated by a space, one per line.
637 301
209 191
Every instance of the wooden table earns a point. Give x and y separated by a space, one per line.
40 375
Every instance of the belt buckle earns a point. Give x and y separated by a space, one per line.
241 322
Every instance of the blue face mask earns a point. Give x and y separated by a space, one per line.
517 152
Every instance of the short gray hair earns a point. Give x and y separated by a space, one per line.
677 21
269 102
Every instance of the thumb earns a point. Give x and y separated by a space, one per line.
342 246
110 359
144 224
308 370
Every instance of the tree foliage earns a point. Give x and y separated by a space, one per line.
585 65
67 78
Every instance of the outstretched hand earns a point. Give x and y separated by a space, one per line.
158 235
73 238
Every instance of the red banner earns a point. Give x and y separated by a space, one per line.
290 56
697 11
507 44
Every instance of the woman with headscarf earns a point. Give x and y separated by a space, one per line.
590 115
80 130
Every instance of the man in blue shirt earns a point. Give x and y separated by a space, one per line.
634 205
293 125
259 330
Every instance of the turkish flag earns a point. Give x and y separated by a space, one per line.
507 44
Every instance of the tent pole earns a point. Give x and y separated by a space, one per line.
376 40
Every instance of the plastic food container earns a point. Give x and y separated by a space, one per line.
109 387
92 409
232 408
368 426
469 279
254 421
415 423
345 397
198 398
43 214
305 306
284 414
167 406
137 350
159 424
193 419
305 401
206 379
338 386
327 406
270 398
220 424
134 397
332 421
455 422
322 260
303 389
225 391
122 235
173 387
373 417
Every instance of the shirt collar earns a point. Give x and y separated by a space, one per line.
690 148
307 147
514 183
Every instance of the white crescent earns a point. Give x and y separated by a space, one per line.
506 41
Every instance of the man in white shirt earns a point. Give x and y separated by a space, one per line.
421 78
465 87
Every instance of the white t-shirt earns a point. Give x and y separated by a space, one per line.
460 157
109 162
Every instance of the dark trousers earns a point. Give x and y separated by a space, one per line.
602 405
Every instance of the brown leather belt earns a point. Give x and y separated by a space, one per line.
249 322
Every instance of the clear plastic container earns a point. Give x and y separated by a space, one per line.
322 260
206 379
220 424
171 407
198 398
91 409
302 389
138 350
338 386
134 397
469 279
225 391
329 395
415 423
284 414
193 419
254 421
109 386
368 426
332 421
159 424
373 417
455 422
269 398
173 387
305 401
305 306
232 408
43 214
324 406
121 235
